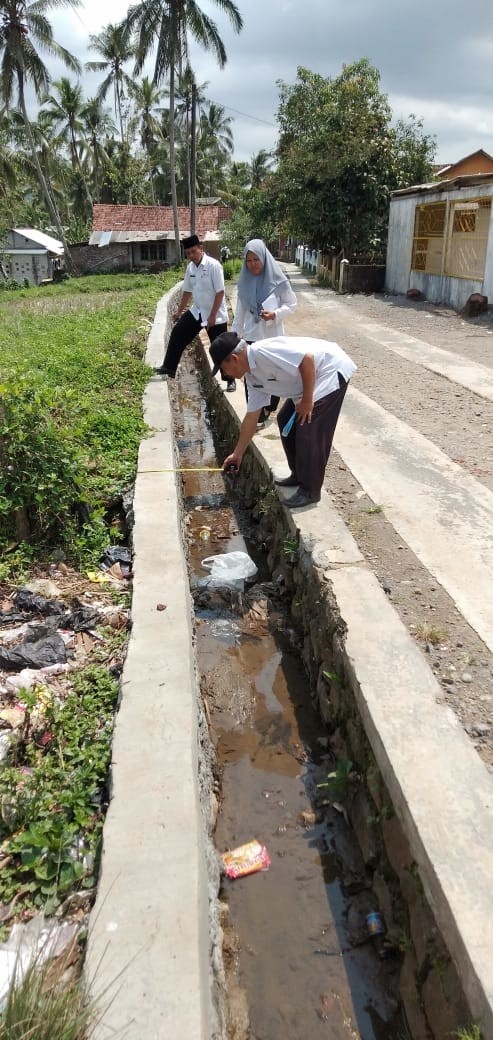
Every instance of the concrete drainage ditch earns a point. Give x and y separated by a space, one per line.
292 766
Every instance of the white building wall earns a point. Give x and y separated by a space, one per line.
437 288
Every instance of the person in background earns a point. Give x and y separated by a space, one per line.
202 305
312 374
265 298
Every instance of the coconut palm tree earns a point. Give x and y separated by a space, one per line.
165 25
65 114
8 157
260 167
190 97
23 27
97 126
114 46
146 97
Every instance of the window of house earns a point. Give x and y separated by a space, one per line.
429 232
468 238
153 251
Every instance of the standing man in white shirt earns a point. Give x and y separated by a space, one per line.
313 375
202 305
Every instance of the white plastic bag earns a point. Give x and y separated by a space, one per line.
229 569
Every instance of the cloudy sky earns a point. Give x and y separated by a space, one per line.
435 60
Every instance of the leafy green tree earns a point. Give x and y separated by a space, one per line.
23 26
339 158
165 25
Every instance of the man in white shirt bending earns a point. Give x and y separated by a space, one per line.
313 375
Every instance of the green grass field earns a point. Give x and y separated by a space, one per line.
71 381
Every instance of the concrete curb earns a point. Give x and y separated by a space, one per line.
148 948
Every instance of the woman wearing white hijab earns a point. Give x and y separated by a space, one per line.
265 298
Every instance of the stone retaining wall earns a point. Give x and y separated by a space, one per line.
430 987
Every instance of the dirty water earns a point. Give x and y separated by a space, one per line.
297 941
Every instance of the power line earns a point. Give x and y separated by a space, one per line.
248 116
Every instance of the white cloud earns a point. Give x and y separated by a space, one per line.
434 63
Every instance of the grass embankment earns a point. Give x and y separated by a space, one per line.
71 382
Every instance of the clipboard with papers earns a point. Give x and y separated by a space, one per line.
271 303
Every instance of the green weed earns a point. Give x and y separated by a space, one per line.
52 791
429 633
338 780
471 1033
40 1006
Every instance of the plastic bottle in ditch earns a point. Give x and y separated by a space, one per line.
375 926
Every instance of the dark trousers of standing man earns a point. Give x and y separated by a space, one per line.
183 332
307 447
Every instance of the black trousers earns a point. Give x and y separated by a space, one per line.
183 333
307 448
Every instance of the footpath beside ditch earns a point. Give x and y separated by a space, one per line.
151 933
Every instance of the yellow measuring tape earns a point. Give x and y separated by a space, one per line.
186 469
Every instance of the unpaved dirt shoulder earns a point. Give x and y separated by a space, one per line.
456 421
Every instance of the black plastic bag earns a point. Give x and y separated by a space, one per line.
34 653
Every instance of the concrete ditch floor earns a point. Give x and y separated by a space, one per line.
148 951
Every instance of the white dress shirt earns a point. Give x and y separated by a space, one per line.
274 368
204 280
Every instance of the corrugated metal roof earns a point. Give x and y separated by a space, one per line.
105 238
465 180
53 245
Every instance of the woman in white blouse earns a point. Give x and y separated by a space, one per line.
265 298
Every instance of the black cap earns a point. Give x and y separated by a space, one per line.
222 347
192 240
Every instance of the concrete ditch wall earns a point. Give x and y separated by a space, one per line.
422 801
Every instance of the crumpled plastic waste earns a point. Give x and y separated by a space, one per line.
81 618
228 569
117 554
43 587
246 859
27 603
41 647
36 941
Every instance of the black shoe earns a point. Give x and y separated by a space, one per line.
299 499
290 481
231 386
164 372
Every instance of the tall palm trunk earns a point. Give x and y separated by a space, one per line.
174 200
119 109
76 163
50 202
193 159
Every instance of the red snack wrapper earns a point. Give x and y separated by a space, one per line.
246 859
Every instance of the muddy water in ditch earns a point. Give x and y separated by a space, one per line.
297 951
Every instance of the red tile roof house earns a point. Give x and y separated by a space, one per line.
133 238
